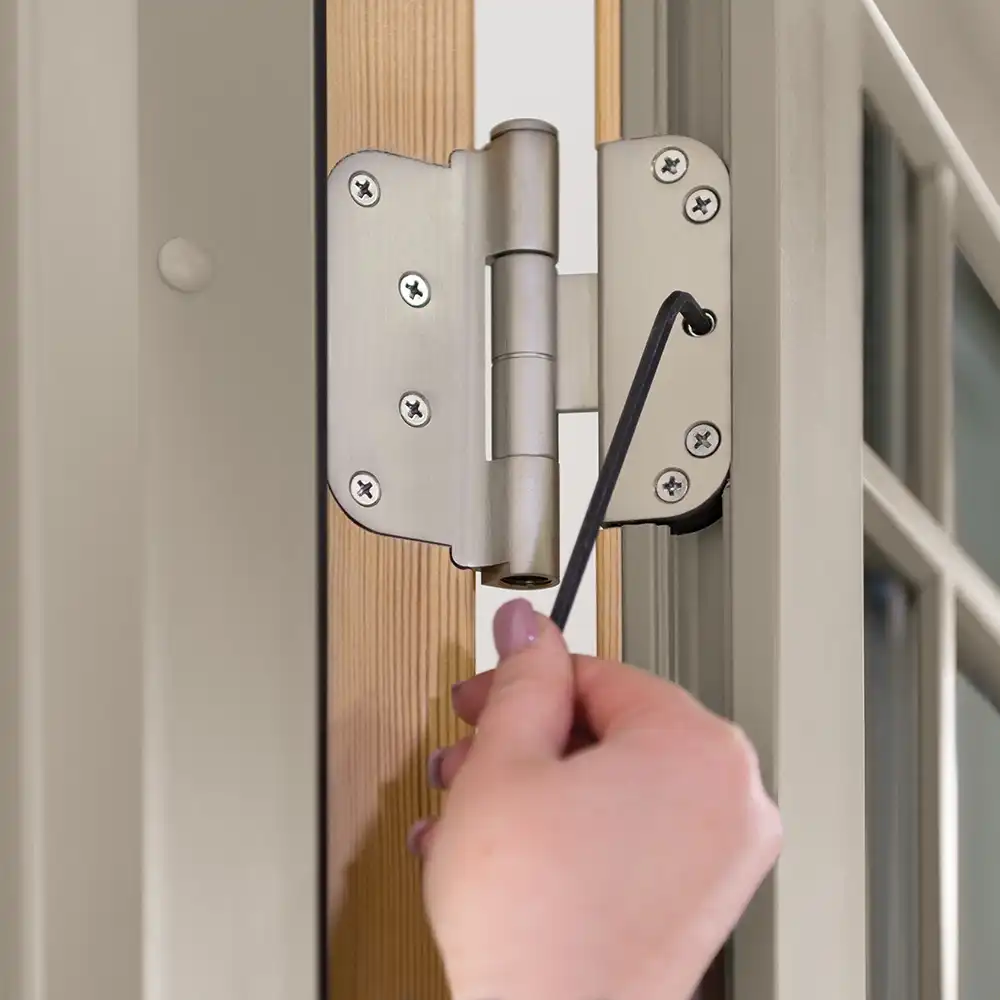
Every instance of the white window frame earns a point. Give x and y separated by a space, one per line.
735 612
670 585
958 605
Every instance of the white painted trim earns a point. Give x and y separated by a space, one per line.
931 417
936 776
675 589
76 580
930 141
13 911
161 491
517 76
923 552
783 594
795 517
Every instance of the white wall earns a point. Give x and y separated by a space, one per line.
953 45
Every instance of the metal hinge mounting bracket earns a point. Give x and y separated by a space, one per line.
434 270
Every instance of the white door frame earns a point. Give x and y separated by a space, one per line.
795 511
159 555
735 613
160 519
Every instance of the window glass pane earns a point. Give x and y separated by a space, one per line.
889 212
979 844
977 419
891 747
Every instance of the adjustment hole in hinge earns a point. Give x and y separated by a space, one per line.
694 333
526 582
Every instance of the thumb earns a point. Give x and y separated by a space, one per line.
529 710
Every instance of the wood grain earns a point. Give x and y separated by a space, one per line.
401 616
609 594
608 96
608 121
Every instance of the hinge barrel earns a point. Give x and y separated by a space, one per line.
524 214
523 188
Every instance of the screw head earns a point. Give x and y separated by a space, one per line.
672 485
414 290
415 410
701 205
702 440
670 165
364 188
365 489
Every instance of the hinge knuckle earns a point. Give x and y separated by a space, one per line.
524 319
528 488
523 200
524 188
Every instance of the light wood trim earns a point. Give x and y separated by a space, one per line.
609 128
401 616
608 118
609 594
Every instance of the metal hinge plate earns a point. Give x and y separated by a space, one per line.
661 231
423 259
406 262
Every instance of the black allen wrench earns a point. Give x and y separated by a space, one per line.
698 322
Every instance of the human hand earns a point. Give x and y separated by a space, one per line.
608 866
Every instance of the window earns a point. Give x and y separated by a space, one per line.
979 843
892 750
889 192
976 363
932 480
976 347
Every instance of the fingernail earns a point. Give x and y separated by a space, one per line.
434 769
514 628
415 835
455 688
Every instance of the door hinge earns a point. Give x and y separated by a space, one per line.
434 270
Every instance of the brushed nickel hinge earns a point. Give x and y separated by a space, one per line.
433 270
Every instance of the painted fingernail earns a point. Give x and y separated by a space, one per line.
434 769
455 689
514 628
416 835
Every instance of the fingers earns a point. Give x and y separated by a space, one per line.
608 695
444 764
615 698
469 697
418 840
529 708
